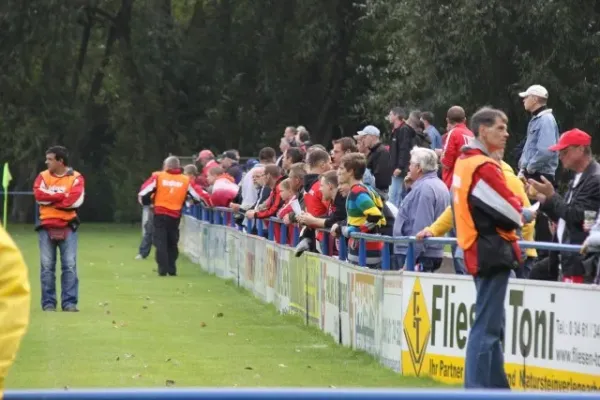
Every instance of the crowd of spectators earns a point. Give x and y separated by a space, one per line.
403 188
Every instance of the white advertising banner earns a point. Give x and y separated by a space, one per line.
330 298
271 268
391 325
366 288
551 341
260 283
346 327
283 283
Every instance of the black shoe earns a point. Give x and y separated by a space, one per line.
162 274
70 309
49 308
172 273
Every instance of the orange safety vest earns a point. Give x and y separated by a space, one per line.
62 184
466 234
171 190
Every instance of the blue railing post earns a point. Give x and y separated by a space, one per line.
283 237
385 257
410 257
325 243
259 227
296 235
343 256
271 228
362 252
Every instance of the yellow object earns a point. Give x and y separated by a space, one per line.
445 222
15 298
6 177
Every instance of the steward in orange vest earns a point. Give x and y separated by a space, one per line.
487 214
59 191
170 189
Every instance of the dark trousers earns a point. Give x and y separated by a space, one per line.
166 238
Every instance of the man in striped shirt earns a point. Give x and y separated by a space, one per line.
364 208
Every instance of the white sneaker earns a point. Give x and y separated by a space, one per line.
139 257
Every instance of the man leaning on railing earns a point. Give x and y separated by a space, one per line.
364 208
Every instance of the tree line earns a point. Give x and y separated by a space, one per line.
122 83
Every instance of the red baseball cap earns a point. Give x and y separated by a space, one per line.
205 154
574 137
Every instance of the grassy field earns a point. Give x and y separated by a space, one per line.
136 329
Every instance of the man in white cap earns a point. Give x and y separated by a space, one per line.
542 132
537 160
379 162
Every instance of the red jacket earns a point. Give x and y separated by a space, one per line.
456 138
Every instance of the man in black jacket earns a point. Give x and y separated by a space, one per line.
568 211
378 158
401 142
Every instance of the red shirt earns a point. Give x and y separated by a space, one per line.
456 138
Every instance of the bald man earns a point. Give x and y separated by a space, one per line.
170 188
458 136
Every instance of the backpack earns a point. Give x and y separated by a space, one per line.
422 139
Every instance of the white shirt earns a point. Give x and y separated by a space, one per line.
249 191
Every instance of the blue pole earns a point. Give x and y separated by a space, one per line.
362 252
410 257
272 229
283 238
343 249
259 227
385 262
325 244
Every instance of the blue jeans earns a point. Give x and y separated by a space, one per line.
146 244
69 281
484 361
458 257
396 189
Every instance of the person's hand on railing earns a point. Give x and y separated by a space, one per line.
335 230
250 214
286 219
235 207
425 233
306 219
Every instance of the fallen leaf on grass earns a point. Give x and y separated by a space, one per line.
220 315
202 324
309 367
283 365
145 307
231 334
168 359
127 355
118 358
170 382
249 368
137 376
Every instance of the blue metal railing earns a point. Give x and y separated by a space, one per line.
289 394
222 215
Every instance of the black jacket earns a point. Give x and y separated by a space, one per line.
381 167
402 140
584 196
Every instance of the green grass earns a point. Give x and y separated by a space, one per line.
136 329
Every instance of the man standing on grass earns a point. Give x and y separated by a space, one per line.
59 192
486 214
170 189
